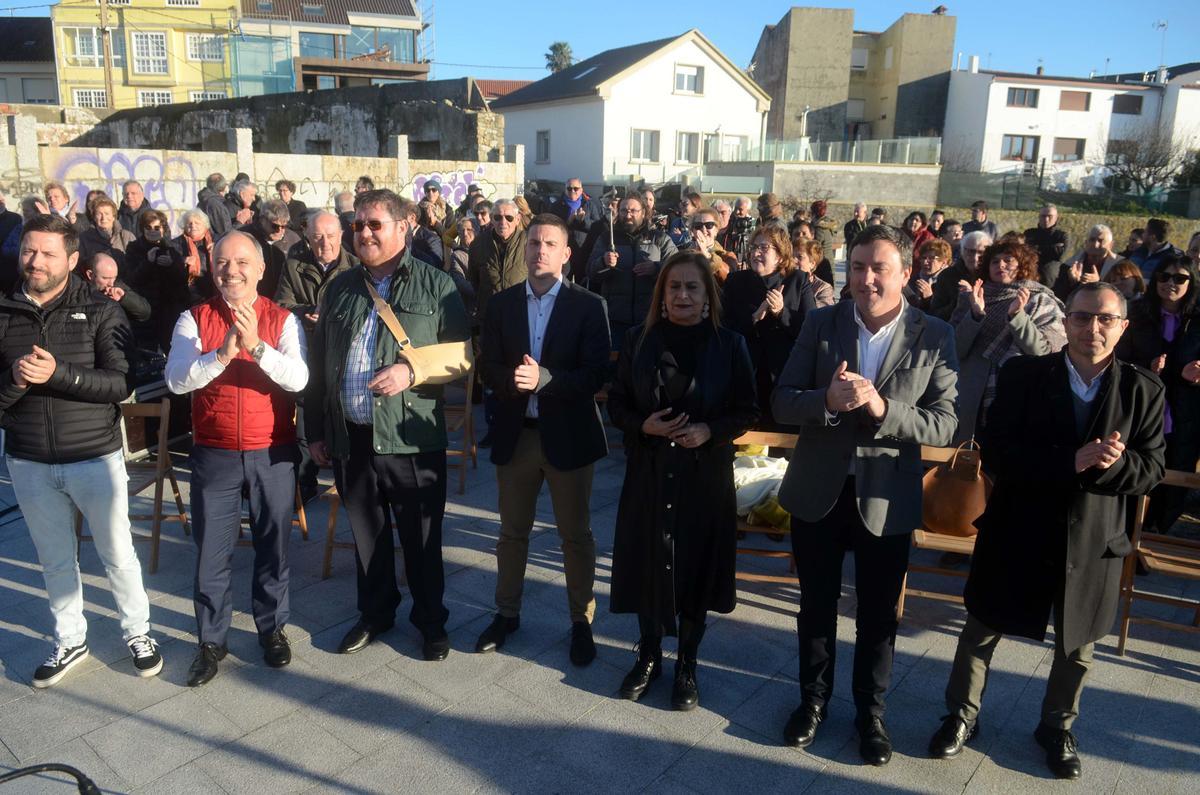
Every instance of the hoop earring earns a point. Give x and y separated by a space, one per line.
664 309
704 311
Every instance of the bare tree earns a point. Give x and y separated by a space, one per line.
559 57
1147 162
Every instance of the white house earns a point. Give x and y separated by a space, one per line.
655 110
1004 121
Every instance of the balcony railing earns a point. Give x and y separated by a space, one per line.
900 151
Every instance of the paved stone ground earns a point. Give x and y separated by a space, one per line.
525 720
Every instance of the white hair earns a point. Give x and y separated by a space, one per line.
344 201
719 203
859 206
976 239
198 215
1103 231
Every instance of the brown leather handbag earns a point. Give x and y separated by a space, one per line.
955 493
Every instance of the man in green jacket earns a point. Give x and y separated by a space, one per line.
384 435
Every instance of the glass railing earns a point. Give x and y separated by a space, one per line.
914 151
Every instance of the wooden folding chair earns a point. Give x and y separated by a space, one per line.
460 417
146 473
923 538
784 441
331 543
1160 554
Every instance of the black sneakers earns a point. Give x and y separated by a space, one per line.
56 666
146 659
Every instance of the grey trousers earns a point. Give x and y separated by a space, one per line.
968 679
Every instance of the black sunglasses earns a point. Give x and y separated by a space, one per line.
1082 319
1176 278
709 225
509 218
279 227
374 224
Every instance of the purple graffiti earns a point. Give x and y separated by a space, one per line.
454 184
169 195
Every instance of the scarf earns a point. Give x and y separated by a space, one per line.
193 268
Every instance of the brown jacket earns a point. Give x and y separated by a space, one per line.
494 265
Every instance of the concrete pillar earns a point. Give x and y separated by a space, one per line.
398 148
241 144
515 154
22 132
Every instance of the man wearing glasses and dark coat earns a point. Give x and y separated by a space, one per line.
579 211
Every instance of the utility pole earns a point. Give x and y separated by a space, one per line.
105 33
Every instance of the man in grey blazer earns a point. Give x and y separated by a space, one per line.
868 382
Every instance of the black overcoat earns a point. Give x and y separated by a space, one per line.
674 550
1048 532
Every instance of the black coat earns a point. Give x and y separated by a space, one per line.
574 363
579 228
213 205
945 290
74 416
128 217
1051 244
770 340
1047 530
675 546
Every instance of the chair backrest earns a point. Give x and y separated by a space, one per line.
134 417
768 439
1171 477
936 455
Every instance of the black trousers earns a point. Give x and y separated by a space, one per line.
307 470
879 567
410 490
218 477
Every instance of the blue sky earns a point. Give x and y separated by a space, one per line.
1070 37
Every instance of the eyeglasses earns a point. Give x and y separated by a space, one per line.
762 247
709 225
374 224
574 188
1174 278
1083 319
509 218
279 227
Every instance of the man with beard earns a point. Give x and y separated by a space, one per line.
625 273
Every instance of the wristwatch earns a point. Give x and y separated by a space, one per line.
258 351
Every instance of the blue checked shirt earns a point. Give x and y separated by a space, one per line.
357 400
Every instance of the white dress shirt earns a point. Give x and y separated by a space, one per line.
872 348
538 310
189 368
1083 390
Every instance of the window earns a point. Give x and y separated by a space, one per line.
735 147
317 45
150 53
148 99
397 44
712 147
325 82
543 146
85 46
1075 100
183 3
116 2
856 109
687 147
91 98
205 47
689 79
1022 97
40 90
1068 150
316 146
643 146
266 5
1019 147
859 57
1128 104
205 96
312 9
887 58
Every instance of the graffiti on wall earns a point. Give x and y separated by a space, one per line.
170 183
454 185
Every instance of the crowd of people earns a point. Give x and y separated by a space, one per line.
310 339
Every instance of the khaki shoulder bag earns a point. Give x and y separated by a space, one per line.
431 364
954 493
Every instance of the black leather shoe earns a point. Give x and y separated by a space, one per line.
492 638
950 738
874 745
1062 752
276 650
436 649
646 669
685 694
801 728
583 648
204 667
360 636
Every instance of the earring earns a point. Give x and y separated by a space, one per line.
664 309
704 311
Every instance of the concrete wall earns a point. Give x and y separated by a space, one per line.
922 51
576 138
841 182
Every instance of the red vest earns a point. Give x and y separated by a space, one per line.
242 408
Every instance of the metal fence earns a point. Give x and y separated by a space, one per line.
896 151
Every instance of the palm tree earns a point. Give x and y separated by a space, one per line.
559 57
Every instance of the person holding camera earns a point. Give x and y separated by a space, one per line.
736 236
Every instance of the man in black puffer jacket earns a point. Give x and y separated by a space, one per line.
64 351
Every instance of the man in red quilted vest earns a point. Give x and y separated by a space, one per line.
242 357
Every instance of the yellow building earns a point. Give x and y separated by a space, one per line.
163 51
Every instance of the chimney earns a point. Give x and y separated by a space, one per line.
1041 70
958 65
1162 74
974 64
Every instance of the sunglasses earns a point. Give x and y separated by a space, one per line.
279 227
374 224
1175 278
574 188
509 218
709 225
1083 319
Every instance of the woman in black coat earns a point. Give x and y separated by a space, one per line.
766 303
146 259
684 392
1164 337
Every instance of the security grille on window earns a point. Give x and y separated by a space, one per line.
205 47
184 3
1023 97
1068 150
91 98
689 79
687 149
1127 104
205 96
148 99
643 146
150 53
1019 147
543 146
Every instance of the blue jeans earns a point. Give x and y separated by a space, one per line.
48 495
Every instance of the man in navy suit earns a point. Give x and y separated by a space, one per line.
545 355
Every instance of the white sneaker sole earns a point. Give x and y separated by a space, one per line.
149 672
44 683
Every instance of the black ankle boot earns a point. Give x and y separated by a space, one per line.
686 694
646 668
